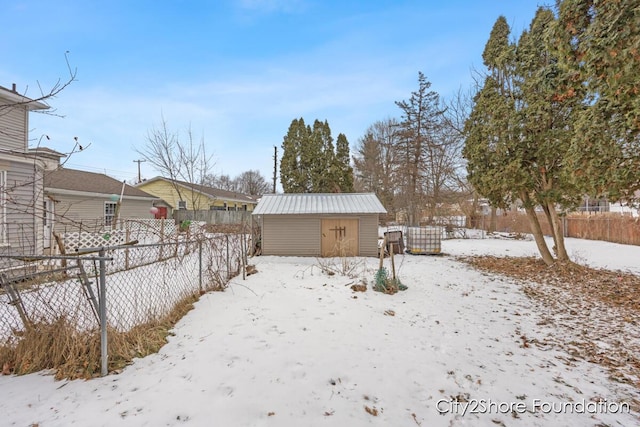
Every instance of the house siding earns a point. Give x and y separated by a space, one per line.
13 128
74 212
23 208
166 191
299 235
195 200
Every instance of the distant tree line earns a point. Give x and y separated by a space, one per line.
250 182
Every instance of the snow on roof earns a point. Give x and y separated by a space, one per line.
319 203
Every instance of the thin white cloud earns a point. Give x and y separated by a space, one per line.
270 6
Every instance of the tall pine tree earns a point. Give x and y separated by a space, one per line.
342 164
295 163
311 164
601 41
519 132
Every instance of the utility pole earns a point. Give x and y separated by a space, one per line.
138 162
275 167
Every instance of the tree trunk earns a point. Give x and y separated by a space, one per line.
558 236
547 215
536 230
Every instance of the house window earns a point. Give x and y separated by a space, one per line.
182 204
224 207
109 212
244 207
3 207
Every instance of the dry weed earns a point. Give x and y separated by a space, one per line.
58 345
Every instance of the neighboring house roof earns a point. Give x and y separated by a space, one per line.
214 193
319 203
71 180
46 152
15 98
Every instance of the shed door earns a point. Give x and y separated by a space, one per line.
339 237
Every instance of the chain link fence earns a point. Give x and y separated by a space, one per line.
142 282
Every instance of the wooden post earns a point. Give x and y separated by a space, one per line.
61 247
243 243
393 264
384 245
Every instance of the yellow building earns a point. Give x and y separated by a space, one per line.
194 197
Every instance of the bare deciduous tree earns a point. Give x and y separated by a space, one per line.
182 161
375 163
252 183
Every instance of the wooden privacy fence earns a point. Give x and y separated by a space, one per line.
610 227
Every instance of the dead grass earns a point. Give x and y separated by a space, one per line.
226 228
614 288
72 354
593 314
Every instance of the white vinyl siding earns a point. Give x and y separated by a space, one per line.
86 213
14 125
3 208
21 208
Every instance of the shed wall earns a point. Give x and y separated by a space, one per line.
291 235
369 235
299 235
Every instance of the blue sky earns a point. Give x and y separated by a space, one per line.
236 71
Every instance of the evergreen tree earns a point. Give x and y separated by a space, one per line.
323 176
547 122
519 133
343 170
294 163
601 42
309 162
496 157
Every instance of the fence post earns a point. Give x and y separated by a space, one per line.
103 314
228 266
200 264
127 238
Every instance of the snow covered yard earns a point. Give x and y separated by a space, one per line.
294 346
